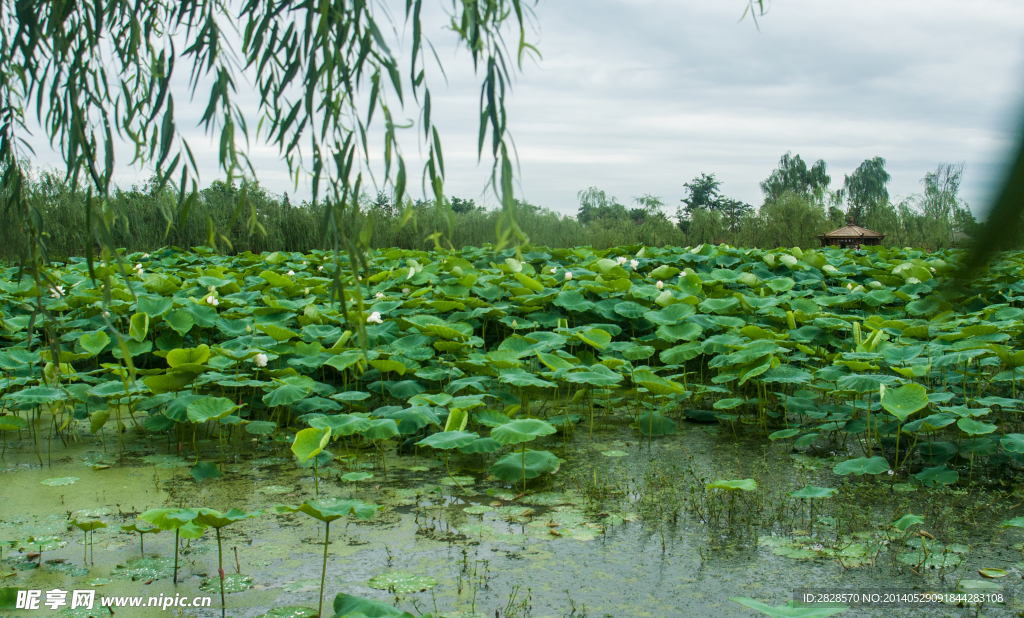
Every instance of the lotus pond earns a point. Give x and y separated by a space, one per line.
632 432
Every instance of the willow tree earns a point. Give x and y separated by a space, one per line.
94 74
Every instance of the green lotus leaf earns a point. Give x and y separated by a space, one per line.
654 424
511 467
739 484
349 606
810 492
656 384
903 401
481 445
448 440
138 327
862 465
212 518
12 423
907 521
974 427
388 366
380 429
180 321
352 477
310 442
522 430
939 475
679 332
285 395
327 511
1012 442
680 353
205 470
210 408
94 342
155 306
188 356
595 337
791 609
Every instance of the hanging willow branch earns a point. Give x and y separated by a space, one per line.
98 73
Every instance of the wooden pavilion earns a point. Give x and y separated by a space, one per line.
850 237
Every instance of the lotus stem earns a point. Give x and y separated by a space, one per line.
323 570
177 532
220 571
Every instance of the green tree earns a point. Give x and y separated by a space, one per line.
793 175
596 205
865 189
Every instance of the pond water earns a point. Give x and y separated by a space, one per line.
625 528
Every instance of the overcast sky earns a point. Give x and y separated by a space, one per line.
640 96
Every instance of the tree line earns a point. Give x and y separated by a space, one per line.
798 205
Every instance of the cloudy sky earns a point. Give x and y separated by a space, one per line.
638 97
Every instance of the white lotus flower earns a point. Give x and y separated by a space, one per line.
933 269
260 359
633 264
621 260
320 267
379 295
303 263
212 300
553 269
406 290
106 314
291 273
568 276
890 472
138 267
57 291
374 318
412 272
660 285
849 286
145 255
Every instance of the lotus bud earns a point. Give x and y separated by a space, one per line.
291 273
568 275
248 329
260 359
405 290
515 324
790 320
307 291
660 285
856 333
374 318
